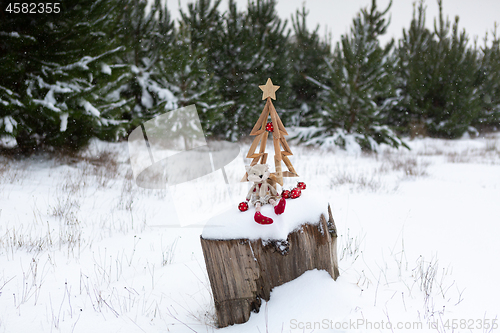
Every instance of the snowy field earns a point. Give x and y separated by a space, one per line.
83 249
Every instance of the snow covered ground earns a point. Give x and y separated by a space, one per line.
82 249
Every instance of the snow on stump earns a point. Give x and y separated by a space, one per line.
243 270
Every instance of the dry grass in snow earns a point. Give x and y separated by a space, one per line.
83 249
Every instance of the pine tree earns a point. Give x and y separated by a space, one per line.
187 77
202 21
192 72
307 55
453 86
58 69
249 45
412 74
359 87
148 36
438 75
489 77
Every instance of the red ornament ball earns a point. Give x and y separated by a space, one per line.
295 193
243 206
286 194
270 127
301 185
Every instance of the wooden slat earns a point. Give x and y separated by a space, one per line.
260 131
277 148
263 159
262 119
279 172
262 150
280 124
254 144
289 165
276 132
285 145
263 142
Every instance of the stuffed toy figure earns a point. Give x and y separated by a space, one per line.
263 192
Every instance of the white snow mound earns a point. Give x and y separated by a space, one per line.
233 224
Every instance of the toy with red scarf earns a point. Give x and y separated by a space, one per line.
263 192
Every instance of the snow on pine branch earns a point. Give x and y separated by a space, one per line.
46 104
83 62
58 87
64 121
91 110
8 123
317 83
10 97
105 68
320 136
15 34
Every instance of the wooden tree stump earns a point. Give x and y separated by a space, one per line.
242 271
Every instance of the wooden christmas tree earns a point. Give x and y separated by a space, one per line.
261 131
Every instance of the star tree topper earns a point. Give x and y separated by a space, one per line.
269 90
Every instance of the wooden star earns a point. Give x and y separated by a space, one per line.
269 90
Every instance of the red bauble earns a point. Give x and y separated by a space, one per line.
243 206
295 193
286 194
301 185
269 127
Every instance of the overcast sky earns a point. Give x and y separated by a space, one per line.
476 16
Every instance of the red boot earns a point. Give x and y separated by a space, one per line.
280 207
261 219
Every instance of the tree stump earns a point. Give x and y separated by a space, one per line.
242 271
